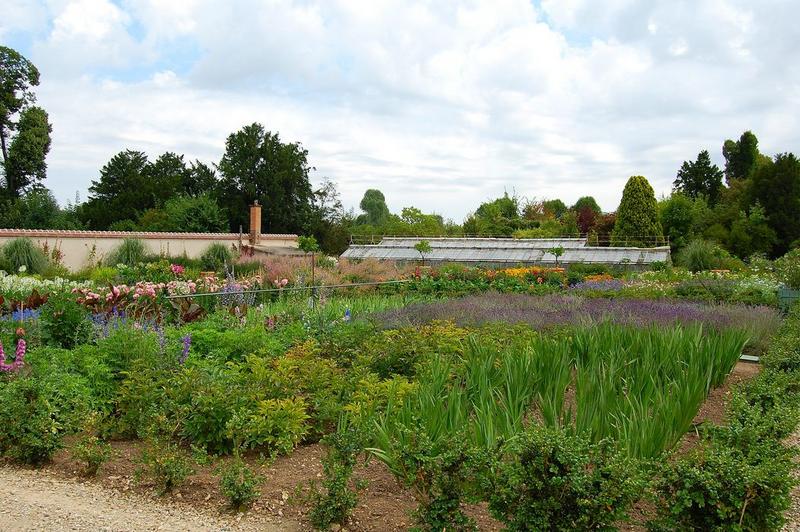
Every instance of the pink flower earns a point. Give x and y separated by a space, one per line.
177 269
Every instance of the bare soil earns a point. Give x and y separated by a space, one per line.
57 497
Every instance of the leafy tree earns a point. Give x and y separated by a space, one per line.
587 202
374 206
258 166
677 219
23 157
496 217
751 233
776 187
637 221
165 177
199 214
329 223
699 178
37 209
423 247
199 179
121 193
741 156
554 207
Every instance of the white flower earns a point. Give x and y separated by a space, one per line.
23 269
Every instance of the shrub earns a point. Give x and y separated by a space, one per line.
64 322
555 481
701 255
22 255
788 269
90 449
637 222
335 504
216 256
719 487
103 275
130 252
164 464
276 425
31 431
239 484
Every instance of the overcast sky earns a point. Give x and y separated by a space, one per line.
440 104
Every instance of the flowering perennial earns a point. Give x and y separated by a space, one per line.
19 357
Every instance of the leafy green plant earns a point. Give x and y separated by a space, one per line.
720 488
130 252
423 247
164 464
700 255
216 256
21 255
788 269
90 448
239 484
64 322
276 425
32 431
336 502
550 480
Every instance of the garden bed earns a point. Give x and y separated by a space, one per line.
285 489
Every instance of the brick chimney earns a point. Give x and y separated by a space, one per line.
255 223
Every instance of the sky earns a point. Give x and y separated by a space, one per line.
440 104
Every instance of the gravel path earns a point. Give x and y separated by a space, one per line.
36 500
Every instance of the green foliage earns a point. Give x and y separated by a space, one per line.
32 427
701 255
751 233
337 501
90 449
587 202
776 187
788 269
256 165
164 464
22 255
216 256
700 178
551 480
64 322
423 247
195 214
720 488
307 244
741 157
25 166
373 204
239 484
130 252
38 209
276 425
637 221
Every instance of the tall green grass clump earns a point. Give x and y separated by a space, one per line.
216 256
130 252
22 255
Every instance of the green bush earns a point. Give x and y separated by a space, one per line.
239 484
103 275
335 504
216 256
275 425
555 481
788 269
720 488
32 431
164 464
64 322
130 252
701 255
22 255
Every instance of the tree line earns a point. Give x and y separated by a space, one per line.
752 205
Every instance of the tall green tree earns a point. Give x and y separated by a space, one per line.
776 187
376 212
637 222
587 202
123 191
741 156
24 128
554 207
700 178
751 233
258 166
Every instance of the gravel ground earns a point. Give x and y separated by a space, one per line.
35 500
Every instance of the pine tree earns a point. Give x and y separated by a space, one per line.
637 217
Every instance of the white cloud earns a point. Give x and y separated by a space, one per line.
439 104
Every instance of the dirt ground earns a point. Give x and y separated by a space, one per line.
57 497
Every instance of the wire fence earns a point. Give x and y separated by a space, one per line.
591 239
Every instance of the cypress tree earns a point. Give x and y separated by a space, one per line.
637 217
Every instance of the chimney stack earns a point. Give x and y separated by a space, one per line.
255 223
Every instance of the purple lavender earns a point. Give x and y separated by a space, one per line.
187 344
609 285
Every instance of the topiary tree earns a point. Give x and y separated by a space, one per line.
637 217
